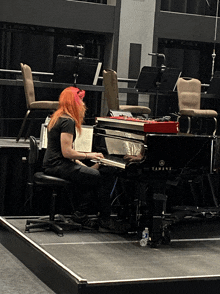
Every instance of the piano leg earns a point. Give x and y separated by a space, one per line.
130 202
137 202
124 202
158 232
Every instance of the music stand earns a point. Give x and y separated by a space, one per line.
76 70
156 80
213 90
214 84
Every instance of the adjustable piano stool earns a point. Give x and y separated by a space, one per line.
54 222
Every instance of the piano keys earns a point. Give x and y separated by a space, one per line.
112 161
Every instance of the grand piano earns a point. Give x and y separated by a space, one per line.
153 155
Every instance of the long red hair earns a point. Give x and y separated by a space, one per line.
70 103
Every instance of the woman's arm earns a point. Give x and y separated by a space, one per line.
66 140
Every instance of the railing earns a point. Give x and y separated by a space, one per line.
94 1
106 2
50 74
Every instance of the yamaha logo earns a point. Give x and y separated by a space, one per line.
161 163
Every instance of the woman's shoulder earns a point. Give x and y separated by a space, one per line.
66 118
66 122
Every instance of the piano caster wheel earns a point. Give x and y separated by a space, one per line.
166 236
159 238
153 245
166 240
27 229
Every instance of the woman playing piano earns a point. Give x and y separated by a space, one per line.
63 161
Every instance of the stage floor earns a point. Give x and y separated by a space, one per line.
100 259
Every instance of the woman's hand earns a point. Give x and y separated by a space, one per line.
94 155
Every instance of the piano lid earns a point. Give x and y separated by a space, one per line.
145 126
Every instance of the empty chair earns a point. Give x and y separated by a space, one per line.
111 93
32 104
54 222
189 100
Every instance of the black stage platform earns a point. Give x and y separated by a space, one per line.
92 262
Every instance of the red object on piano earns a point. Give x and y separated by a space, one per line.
165 127
153 126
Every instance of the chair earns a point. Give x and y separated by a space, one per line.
111 93
55 184
189 100
32 105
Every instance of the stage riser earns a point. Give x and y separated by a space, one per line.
13 178
61 282
188 286
14 192
43 267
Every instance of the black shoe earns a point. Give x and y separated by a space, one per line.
113 226
79 217
85 221
90 224
72 225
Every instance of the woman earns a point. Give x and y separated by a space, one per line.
63 161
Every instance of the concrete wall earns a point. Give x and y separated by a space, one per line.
77 15
136 27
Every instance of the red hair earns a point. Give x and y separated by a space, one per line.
70 103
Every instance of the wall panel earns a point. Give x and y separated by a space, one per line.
186 27
63 14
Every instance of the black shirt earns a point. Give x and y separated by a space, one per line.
53 155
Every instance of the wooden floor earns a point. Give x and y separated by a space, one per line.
109 263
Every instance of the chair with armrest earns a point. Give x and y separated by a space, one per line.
54 222
189 100
32 104
111 93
